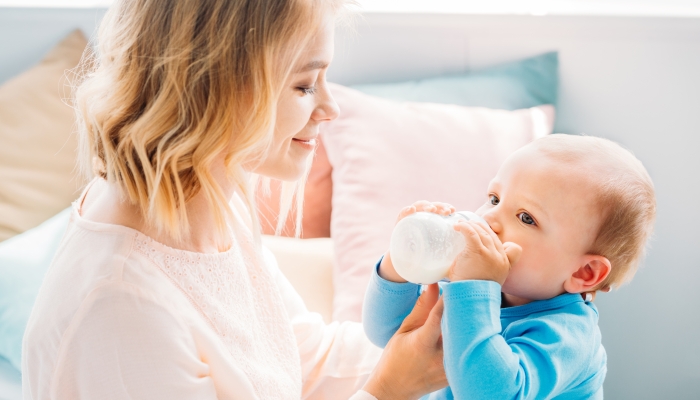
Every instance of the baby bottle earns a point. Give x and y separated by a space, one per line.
424 245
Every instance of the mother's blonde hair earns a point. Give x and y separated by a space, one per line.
173 85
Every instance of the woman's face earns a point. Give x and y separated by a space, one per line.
304 104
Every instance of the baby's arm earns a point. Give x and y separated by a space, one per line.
536 357
389 298
385 307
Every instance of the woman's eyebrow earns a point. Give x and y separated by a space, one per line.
313 65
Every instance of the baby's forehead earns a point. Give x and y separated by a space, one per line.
553 174
553 180
598 159
574 166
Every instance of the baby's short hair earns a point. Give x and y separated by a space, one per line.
626 194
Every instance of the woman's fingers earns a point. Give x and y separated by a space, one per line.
412 364
421 311
431 331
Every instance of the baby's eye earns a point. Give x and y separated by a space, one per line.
494 200
526 218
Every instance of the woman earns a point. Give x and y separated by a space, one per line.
160 288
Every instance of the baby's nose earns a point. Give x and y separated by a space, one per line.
493 224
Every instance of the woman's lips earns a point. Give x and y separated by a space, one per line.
305 142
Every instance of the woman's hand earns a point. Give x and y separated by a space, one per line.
386 268
412 363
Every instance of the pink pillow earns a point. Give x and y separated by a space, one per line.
386 155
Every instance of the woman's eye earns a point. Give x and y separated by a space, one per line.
526 218
307 90
494 200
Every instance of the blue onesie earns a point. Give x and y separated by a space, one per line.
547 349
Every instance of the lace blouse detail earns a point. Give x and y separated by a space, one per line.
239 298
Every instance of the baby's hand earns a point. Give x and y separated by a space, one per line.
386 268
427 206
484 256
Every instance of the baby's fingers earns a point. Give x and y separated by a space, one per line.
513 252
471 236
444 208
405 212
425 205
487 236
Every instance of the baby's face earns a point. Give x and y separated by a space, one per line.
549 208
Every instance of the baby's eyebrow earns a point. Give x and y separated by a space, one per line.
533 204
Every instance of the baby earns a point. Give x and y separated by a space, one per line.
567 216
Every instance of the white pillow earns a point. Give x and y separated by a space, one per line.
308 265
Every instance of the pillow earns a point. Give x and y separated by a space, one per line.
10 381
38 153
521 84
387 155
24 260
308 265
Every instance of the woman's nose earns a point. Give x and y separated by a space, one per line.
327 109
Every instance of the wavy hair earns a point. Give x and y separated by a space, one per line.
172 85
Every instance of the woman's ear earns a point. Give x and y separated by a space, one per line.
594 269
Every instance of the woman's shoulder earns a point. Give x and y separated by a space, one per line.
97 260
91 253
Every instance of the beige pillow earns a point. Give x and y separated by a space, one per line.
308 265
38 174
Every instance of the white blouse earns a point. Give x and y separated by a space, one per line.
122 316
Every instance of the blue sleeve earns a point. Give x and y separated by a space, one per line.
385 307
541 358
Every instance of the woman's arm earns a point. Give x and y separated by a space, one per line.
337 359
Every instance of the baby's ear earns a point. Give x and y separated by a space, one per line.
593 270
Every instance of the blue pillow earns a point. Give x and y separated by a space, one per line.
521 84
24 260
